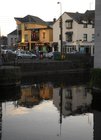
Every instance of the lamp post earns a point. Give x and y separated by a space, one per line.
60 24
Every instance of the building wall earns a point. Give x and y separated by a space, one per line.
26 30
80 99
97 56
11 40
48 35
77 30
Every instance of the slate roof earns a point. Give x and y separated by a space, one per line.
13 32
31 19
89 15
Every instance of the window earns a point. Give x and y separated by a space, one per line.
68 24
11 40
35 35
68 106
93 37
85 25
93 25
68 94
84 37
59 36
69 36
15 40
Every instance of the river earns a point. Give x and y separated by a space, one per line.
50 110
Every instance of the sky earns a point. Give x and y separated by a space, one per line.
44 9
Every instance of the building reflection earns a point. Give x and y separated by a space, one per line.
29 96
33 94
46 91
72 100
69 100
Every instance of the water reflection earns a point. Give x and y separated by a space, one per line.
73 99
48 111
32 95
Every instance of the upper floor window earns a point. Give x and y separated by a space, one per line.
93 37
11 40
84 37
93 25
68 24
15 40
85 25
68 94
35 35
69 36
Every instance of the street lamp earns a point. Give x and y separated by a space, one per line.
60 24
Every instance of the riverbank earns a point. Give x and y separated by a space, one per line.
10 75
12 72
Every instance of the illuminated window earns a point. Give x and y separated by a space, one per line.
35 35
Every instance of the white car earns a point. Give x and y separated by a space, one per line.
25 54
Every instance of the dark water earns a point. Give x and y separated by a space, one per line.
50 111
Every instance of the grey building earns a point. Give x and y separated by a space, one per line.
12 38
97 56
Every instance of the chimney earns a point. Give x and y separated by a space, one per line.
54 19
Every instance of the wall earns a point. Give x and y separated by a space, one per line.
77 30
97 56
14 39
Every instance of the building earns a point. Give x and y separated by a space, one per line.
3 41
32 31
72 100
97 55
12 39
77 32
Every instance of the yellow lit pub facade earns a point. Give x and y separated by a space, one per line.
32 31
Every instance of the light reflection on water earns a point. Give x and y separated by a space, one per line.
48 112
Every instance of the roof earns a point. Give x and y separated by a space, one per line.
79 17
31 19
13 32
50 23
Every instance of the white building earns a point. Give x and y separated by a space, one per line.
77 32
12 39
97 55
74 99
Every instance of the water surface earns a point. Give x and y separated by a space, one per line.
47 111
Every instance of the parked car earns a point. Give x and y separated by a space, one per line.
5 51
25 54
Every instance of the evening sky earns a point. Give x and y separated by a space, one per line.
44 9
